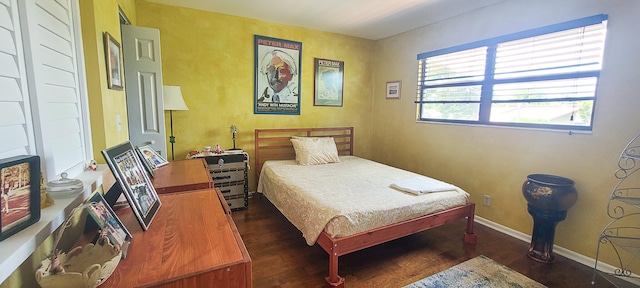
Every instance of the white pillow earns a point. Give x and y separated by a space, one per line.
315 150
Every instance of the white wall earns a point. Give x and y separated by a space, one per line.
496 161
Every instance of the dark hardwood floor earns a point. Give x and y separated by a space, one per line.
281 257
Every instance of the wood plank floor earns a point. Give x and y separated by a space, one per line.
281 257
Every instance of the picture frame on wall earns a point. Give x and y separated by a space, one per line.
19 194
277 76
113 60
134 181
329 82
394 89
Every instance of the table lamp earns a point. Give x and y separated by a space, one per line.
173 101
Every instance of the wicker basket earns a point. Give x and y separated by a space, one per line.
87 266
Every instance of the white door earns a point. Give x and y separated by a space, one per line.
143 82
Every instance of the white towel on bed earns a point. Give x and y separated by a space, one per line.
422 185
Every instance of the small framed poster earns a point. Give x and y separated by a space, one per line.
329 82
113 62
393 89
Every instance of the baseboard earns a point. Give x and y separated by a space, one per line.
584 260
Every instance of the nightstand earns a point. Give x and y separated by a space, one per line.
229 172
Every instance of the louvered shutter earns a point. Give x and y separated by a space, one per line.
54 84
16 133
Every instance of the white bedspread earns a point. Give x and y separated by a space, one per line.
348 197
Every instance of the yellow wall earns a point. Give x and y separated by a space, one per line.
211 56
496 161
98 17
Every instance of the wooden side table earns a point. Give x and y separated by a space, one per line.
229 171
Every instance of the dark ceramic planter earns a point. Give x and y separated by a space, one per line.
549 192
548 199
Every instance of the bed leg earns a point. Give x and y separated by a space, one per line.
334 280
470 236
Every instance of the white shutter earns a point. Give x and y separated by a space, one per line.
54 84
16 133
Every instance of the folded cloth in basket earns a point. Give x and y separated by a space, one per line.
422 185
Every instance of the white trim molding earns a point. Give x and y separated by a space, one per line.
587 261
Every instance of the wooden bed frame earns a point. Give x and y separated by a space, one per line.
275 144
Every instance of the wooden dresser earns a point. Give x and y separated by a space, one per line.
181 176
192 242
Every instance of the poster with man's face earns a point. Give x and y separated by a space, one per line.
277 76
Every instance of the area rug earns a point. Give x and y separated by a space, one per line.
477 272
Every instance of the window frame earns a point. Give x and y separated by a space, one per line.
487 83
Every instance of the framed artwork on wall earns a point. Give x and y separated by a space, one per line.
134 181
19 194
329 82
277 76
393 89
113 60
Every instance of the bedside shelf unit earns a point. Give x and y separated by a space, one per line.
230 174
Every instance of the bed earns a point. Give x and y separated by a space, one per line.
345 203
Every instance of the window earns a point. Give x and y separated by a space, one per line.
540 78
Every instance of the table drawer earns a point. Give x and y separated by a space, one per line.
215 168
230 191
237 203
227 176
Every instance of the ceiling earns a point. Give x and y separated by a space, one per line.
369 19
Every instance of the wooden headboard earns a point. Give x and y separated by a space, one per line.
275 144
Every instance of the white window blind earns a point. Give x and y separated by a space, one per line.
569 51
463 66
543 78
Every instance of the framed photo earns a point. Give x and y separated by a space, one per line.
113 61
277 76
19 194
151 159
134 181
329 82
109 222
149 167
393 89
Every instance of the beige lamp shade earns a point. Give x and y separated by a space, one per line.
173 98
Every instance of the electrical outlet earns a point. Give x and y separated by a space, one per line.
486 200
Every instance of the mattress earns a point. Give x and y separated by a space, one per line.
348 197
